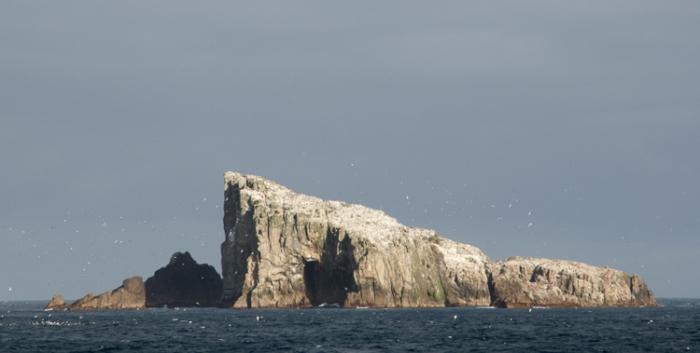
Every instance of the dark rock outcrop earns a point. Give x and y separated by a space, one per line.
184 283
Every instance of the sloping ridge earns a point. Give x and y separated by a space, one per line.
182 283
284 249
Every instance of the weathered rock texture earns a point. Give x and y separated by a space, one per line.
184 283
284 249
526 282
56 303
131 295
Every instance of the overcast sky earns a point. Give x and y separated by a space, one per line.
541 128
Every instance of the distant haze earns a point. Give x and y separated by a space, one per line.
540 128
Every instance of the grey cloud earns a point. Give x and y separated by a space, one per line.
584 115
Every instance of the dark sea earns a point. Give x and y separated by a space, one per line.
24 327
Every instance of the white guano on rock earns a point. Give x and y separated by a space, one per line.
286 250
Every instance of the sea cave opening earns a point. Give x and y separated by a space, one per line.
312 269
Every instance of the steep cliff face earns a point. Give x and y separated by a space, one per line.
526 282
184 283
284 249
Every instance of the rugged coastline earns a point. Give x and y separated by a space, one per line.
181 283
283 249
288 250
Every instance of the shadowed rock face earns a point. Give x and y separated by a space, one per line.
284 249
184 283
330 279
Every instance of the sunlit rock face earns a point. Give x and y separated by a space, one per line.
287 250
56 303
284 249
184 283
130 295
527 282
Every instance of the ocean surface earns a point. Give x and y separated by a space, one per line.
24 327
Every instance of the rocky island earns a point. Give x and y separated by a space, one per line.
182 283
287 250
283 249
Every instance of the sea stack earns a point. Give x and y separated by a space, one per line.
184 283
287 250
